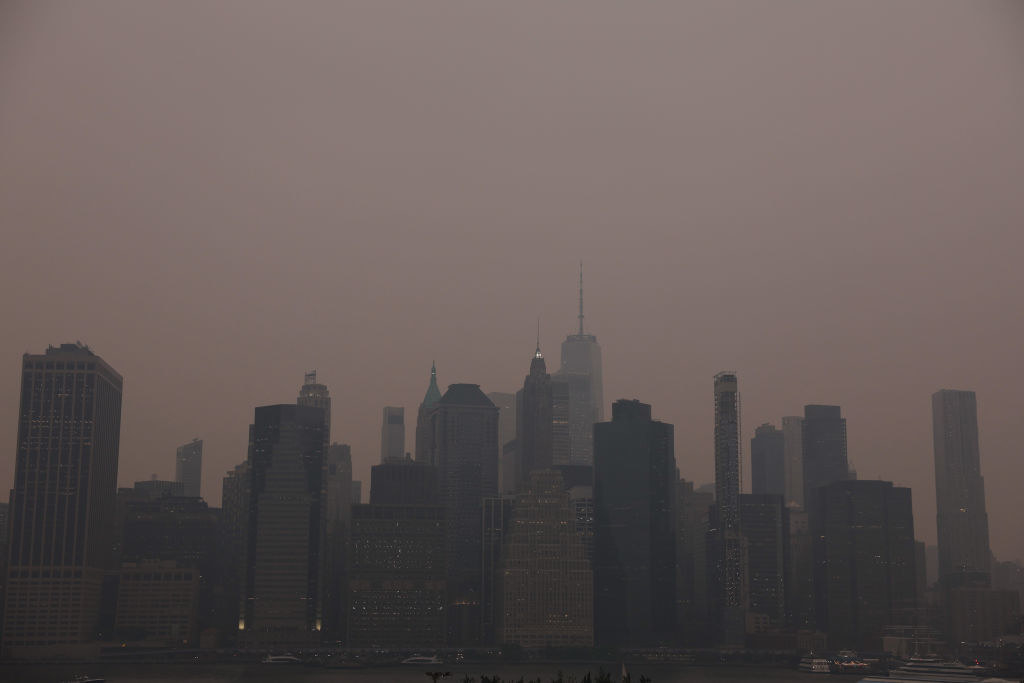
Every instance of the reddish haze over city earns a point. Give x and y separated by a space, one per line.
824 197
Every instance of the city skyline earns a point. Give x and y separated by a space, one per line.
216 222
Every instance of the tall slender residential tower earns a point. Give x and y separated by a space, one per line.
423 435
726 523
392 435
581 370
62 504
964 555
188 467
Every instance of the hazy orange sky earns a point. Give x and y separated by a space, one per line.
827 198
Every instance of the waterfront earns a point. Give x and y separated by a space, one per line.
225 673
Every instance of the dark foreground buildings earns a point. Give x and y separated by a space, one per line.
63 502
634 540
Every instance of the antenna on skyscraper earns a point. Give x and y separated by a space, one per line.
581 297
537 352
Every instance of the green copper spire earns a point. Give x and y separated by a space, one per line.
433 393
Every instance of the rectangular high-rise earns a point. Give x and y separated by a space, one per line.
63 500
768 461
964 555
793 455
392 435
824 449
581 370
725 527
188 467
634 528
282 604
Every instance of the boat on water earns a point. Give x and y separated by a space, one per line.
281 659
82 678
816 665
849 662
932 670
421 659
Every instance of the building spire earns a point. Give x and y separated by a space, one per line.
537 353
433 393
581 298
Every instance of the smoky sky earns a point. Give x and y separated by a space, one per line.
827 198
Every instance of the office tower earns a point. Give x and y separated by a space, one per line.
62 506
561 436
403 483
397 577
4 528
497 521
171 583
691 563
506 405
188 468
864 561
392 435
824 450
283 582
964 554
793 448
423 433
338 522
578 481
634 540
462 433
978 614
316 395
581 370
765 527
725 527
547 583
357 492
768 461
534 423
234 520
800 572
160 488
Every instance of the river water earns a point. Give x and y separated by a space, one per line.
509 673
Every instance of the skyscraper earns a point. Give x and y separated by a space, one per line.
728 556
766 539
547 583
793 445
286 530
691 563
964 555
768 461
461 431
63 501
392 435
189 467
864 561
315 394
534 424
634 541
824 450
581 370
507 466
423 433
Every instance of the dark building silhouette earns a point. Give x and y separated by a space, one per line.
315 394
793 444
286 530
234 521
634 538
158 488
581 371
507 465
497 521
338 524
392 435
534 420
765 524
547 582
691 564
63 501
864 561
423 433
724 533
397 577
561 427
768 461
404 483
188 467
171 584
461 440
964 554
824 449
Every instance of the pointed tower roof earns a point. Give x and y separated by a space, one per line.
433 393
